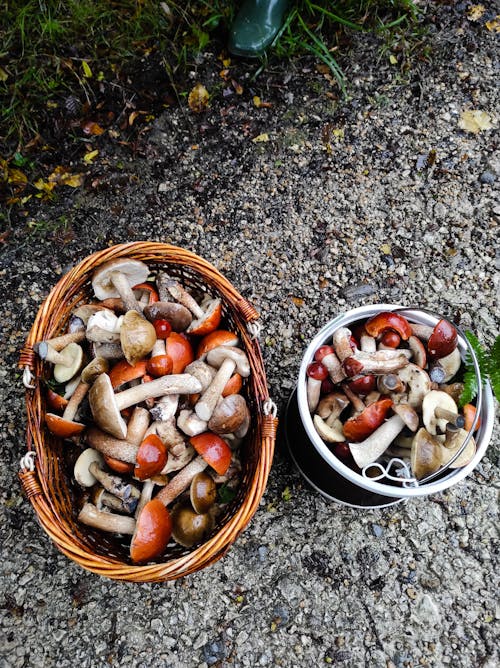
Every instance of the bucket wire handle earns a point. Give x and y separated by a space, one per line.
402 473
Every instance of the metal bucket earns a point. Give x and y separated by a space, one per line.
328 474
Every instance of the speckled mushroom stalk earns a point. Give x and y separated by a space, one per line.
47 347
181 481
114 484
111 522
227 359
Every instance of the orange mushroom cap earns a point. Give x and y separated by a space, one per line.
180 350
360 427
387 320
118 466
233 385
61 427
153 294
152 532
56 401
443 340
123 372
220 337
160 365
214 450
151 457
207 324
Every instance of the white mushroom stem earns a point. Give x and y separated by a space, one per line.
58 343
167 432
356 401
113 483
382 361
367 343
313 390
181 383
76 399
123 288
49 354
159 348
206 404
111 446
181 481
376 444
423 332
162 281
178 457
184 298
146 496
341 341
104 498
97 519
137 425
335 370
189 423
165 408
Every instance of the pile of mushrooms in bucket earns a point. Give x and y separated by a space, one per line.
149 388
386 390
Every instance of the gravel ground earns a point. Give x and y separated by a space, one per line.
379 198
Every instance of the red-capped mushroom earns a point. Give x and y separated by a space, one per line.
316 373
178 348
152 532
123 372
443 340
380 323
151 457
214 450
361 426
220 337
327 356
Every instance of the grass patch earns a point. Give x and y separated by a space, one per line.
61 58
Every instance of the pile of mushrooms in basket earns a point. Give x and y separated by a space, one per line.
388 388
151 386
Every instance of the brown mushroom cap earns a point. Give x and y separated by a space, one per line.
426 457
203 492
137 337
189 527
229 414
177 315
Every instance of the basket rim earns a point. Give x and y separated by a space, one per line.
47 318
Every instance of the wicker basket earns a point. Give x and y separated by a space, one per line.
45 473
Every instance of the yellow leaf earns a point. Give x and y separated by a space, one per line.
393 60
198 99
386 249
92 128
17 177
338 132
87 72
89 157
475 120
44 185
3 74
226 62
261 138
73 180
60 176
475 12
494 24
256 101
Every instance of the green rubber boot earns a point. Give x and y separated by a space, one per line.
255 26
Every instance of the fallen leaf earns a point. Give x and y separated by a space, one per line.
393 60
17 177
3 74
198 99
475 120
261 138
494 24
87 72
475 12
89 157
386 249
298 301
260 104
62 177
237 87
92 128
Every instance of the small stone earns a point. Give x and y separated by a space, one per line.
488 178
377 530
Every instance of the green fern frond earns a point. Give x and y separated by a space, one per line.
494 368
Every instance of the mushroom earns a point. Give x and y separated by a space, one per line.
442 370
316 373
188 526
181 481
112 483
220 337
105 521
417 383
66 362
103 500
389 383
425 454
81 470
178 458
361 426
213 449
230 415
419 356
151 457
103 327
443 340
226 359
110 351
379 362
438 408
203 371
159 364
454 441
137 337
367 343
202 492
123 372
408 415
179 349
106 405
206 319
177 315
330 433
342 343
380 323
331 406
116 279
363 384
326 355
152 532
47 347
165 408
190 423
376 444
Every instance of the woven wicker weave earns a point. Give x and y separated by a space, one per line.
48 486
